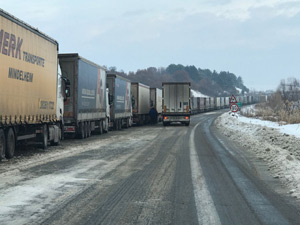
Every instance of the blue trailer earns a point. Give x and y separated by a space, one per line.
119 101
86 107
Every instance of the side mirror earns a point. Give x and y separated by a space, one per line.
66 80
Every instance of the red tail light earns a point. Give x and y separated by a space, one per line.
186 117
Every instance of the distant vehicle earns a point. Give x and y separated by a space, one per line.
31 99
86 107
119 101
140 103
217 102
176 106
156 101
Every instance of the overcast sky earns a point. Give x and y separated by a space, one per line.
258 40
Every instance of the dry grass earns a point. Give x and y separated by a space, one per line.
276 110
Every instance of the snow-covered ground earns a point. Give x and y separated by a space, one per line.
277 145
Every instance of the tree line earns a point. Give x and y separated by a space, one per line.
206 81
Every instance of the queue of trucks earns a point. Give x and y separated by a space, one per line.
46 96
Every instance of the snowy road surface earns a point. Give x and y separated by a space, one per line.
143 175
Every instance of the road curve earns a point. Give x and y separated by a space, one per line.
145 175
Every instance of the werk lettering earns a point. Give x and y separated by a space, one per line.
10 45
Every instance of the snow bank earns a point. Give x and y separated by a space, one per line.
278 146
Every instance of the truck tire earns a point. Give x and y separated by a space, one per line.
117 124
2 144
105 126
100 129
10 143
165 123
120 124
88 127
127 123
85 130
81 130
45 137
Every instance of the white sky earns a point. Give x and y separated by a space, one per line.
258 40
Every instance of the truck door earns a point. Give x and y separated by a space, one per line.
182 97
179 97
172 97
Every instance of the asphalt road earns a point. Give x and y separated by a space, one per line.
145 175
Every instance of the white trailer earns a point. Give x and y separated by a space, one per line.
176 102
140 103
156 100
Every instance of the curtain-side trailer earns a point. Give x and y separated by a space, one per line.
120 101
86 107
31 101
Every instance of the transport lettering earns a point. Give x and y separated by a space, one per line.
27 57
10 45
20 75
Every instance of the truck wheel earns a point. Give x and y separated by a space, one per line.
120 124
85 130
101 127
2 144
10 144
117 124
105 126
187 124
81 125
45 137
88 127
127 123
165 123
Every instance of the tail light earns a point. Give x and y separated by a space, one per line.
186 117
165 118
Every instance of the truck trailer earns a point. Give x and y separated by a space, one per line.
156 101
217 102
176 102
119 101
86 107
140 103
31 101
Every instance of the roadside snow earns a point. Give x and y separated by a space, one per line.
277 145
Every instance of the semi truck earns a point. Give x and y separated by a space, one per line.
140 103
156 101
217 102
31 99
119 101
86 107
176 102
